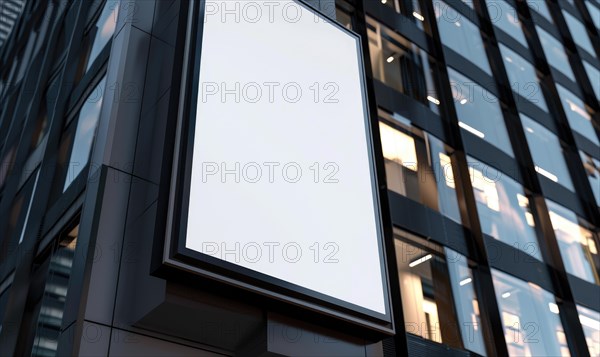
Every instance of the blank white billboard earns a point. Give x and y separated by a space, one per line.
282 181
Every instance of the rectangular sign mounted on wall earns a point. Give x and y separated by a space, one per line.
276 179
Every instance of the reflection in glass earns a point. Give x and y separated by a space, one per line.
469 3
437 296
506 18
530 316
97 38
392 4
555 52
411 9
479 111
343 18
547 153
592 169
594 13
503 208
523 78
590 322
26 56
418 165
461 35
594 76
30 204
104 30
578 33
465 301
577 243
84 136
41 29
18 216
417 13
578 114
49 321
402 65
541 8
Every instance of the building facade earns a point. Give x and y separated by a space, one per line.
486 123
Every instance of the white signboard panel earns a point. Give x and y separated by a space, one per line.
282 181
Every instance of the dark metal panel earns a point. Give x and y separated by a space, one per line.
585 293
398 23
518 263
490 155
412 216
457 61
420 347
586 145
559 194
417 113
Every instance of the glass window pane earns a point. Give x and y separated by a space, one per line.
26 56
49 321
418 165
18 215
578 33
30 204
523 78
417 14
465 302
503 208
84 136
410 9
594 13
437 296
594 76
578 114
41 28
590 321
555 52
506 18
576 242
530 316
343 18
104 29
547 153
392 4
592 169
469 3
541 8
402 65
479 111
461 35
444 162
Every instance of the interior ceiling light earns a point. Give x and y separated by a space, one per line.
418 16
420 260
433 100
